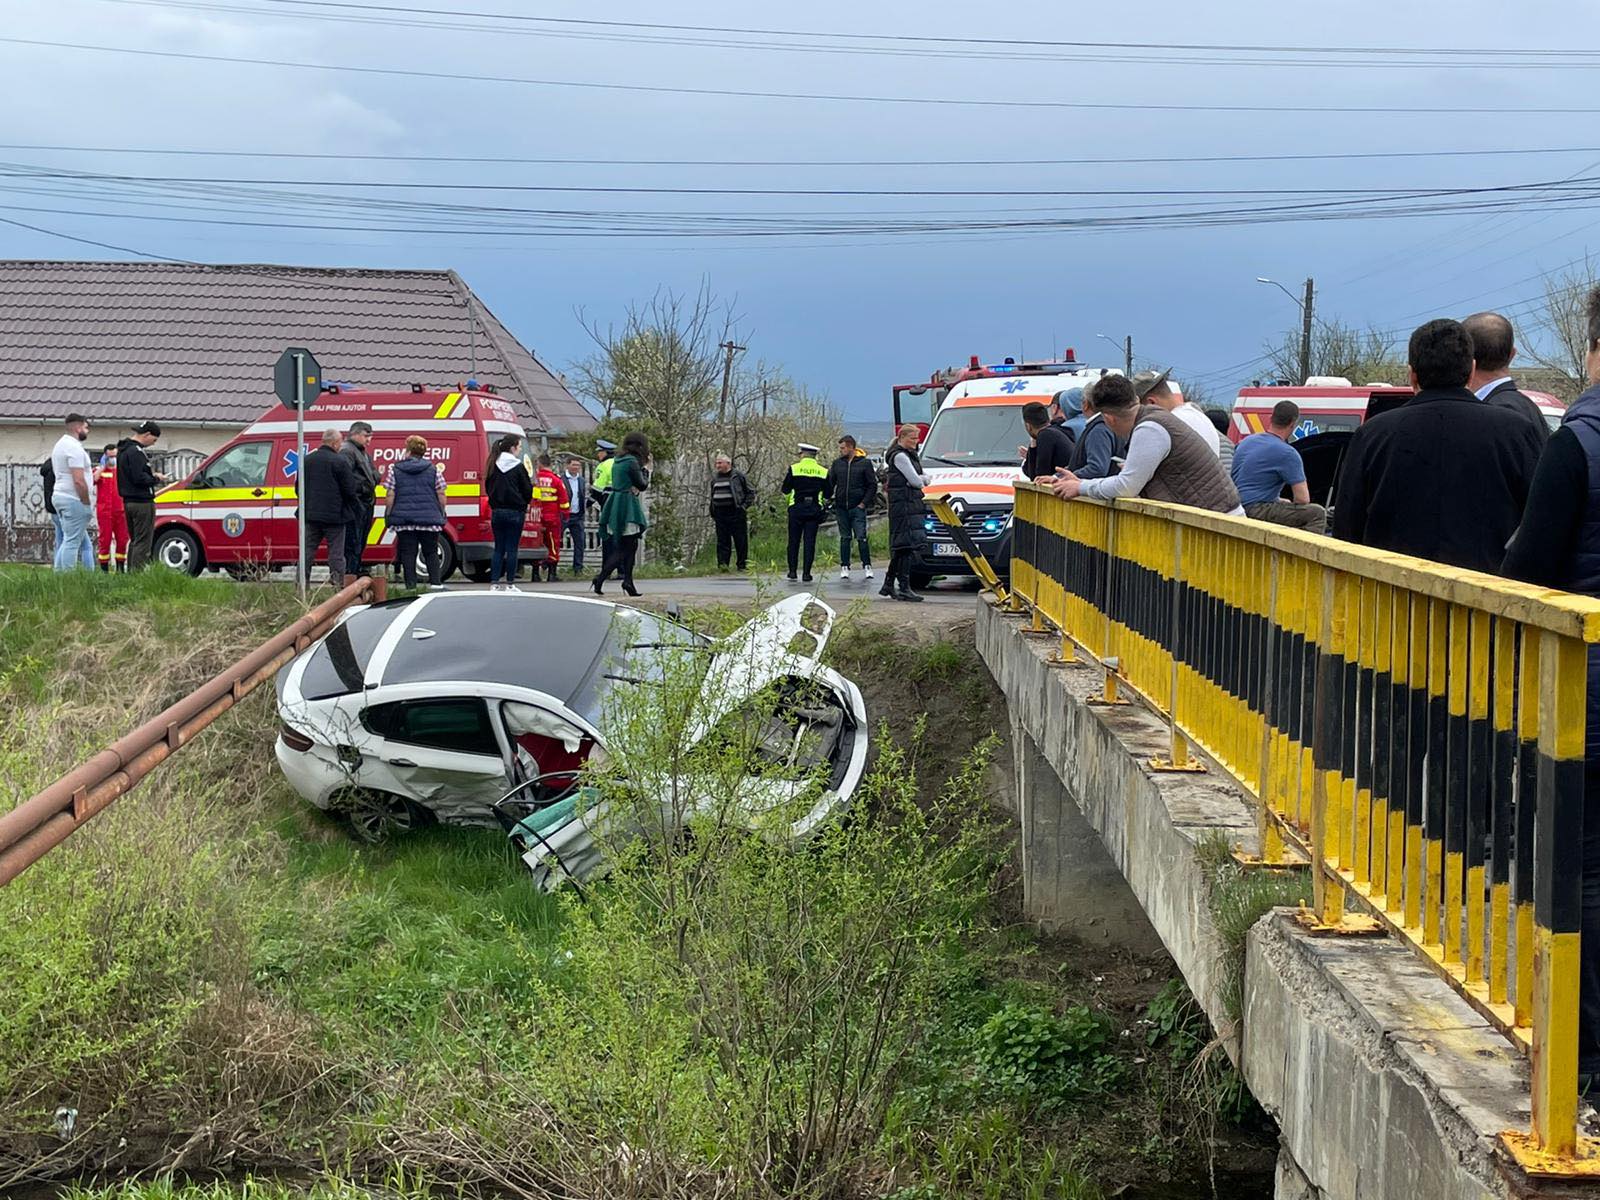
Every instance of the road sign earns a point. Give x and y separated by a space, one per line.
297 379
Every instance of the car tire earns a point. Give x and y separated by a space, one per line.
375 817
179 550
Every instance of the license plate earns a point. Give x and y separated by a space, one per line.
946 550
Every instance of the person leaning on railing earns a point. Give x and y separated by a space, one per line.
1558 545
1166 459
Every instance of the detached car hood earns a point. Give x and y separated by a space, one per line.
786 639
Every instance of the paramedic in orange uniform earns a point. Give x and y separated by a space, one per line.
113 520
550 494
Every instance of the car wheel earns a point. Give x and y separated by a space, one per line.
920 579
447 558
179 550
377 816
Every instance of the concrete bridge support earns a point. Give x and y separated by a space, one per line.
1384 1083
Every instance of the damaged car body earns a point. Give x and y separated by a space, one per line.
493 710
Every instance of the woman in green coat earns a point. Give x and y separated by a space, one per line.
622 517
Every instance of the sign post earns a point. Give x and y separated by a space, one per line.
297 380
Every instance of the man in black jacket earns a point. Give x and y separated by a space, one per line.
1493 348
850 487
365 477
1052 444
1445 476
137 484
327 488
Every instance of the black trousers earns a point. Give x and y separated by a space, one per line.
803 530
899 572
733 535
141 516
355 540
619 555
407 544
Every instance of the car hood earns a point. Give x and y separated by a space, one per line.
786 639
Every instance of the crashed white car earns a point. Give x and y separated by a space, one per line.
483 708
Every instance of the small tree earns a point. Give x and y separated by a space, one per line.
1359 355
1556 336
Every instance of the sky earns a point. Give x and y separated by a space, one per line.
856 292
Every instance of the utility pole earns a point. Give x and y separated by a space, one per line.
1305 334
728 349
1127 354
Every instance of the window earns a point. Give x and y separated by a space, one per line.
461 725
986 435
245 465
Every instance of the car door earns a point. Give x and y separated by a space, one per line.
231 504
440 752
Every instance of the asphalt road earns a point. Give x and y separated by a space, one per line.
735 588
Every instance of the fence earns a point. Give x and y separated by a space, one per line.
26 533
1415 730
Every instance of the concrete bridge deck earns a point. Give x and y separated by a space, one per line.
1383 1080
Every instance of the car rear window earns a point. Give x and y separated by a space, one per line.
339 666
458 723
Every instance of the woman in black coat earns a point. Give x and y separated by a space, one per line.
908 513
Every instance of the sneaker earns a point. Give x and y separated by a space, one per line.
866 571
844 574
437 587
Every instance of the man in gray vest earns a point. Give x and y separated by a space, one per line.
1166 459
1558 545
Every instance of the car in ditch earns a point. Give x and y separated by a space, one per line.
489 709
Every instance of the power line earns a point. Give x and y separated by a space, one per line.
456 78
1015 161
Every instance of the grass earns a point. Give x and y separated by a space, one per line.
210 954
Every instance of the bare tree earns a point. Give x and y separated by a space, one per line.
1556 334
1359 355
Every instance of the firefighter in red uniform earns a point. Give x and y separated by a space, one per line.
109 513
550 494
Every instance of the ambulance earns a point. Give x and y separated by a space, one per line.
237 510
969 450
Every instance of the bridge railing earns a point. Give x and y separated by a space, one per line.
1416 731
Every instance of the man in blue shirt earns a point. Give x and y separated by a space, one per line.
1264 464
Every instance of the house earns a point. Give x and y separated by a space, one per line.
192 346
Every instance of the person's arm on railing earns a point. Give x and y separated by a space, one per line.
1543 544
1147 447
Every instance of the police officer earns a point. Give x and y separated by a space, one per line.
604 456
803 485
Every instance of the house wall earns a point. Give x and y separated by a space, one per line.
32 443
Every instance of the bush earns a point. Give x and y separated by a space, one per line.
1031 1054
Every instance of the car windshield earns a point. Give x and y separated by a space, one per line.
339 665
985 435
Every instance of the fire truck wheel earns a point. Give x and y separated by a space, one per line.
178 550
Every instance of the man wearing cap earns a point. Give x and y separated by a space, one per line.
803 485
137 482
365 476
1152 388
603 456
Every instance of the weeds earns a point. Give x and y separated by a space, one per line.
1238 898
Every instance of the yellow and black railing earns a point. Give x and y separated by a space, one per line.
1414 731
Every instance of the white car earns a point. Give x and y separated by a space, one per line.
483 708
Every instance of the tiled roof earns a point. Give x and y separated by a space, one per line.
125 340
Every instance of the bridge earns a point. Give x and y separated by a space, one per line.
1409 735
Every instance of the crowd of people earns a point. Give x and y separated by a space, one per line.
114 494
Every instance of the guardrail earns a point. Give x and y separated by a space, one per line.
1416 731
45 820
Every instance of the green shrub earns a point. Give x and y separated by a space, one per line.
1029 1053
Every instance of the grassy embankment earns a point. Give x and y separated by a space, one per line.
215 977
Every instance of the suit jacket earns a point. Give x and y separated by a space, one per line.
1444 477
1511 398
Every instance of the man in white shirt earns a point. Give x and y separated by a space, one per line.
1153 388
73 496
1493 348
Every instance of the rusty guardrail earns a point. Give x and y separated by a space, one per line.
1414 730
48 818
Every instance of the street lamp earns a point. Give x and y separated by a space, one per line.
1126 346
1305 308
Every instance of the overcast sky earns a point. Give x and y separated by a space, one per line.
847 314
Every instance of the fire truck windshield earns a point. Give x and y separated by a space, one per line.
983 436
